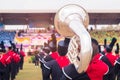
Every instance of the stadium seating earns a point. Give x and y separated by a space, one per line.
101 35
7 35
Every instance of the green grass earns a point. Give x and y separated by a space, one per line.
29 72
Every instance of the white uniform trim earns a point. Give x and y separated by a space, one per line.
46 66
8 58
116 62
41 60
101 57
107 70
66 74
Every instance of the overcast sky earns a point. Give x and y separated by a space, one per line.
54 5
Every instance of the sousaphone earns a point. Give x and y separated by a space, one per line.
71 21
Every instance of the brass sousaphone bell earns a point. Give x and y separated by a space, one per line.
71 21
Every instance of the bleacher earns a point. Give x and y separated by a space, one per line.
7 35
101 35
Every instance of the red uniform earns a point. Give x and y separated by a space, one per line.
7 58
2 60
62 61
17 58
112 58
97 69
22 53
97 56
11 53
54 55
14 56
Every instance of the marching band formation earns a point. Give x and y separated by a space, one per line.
104 65
80 57
11 61
55 65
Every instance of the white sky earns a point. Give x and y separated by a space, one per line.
42 6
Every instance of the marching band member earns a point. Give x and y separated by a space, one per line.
51 55
98 66
2 66
54 67
51 51
70 72
22 55
117 63
15 58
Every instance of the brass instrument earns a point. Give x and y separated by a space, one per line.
72 21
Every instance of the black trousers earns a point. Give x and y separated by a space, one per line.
13 70
2 72
52 68
21 63
8 72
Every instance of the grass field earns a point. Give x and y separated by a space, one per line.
30 72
